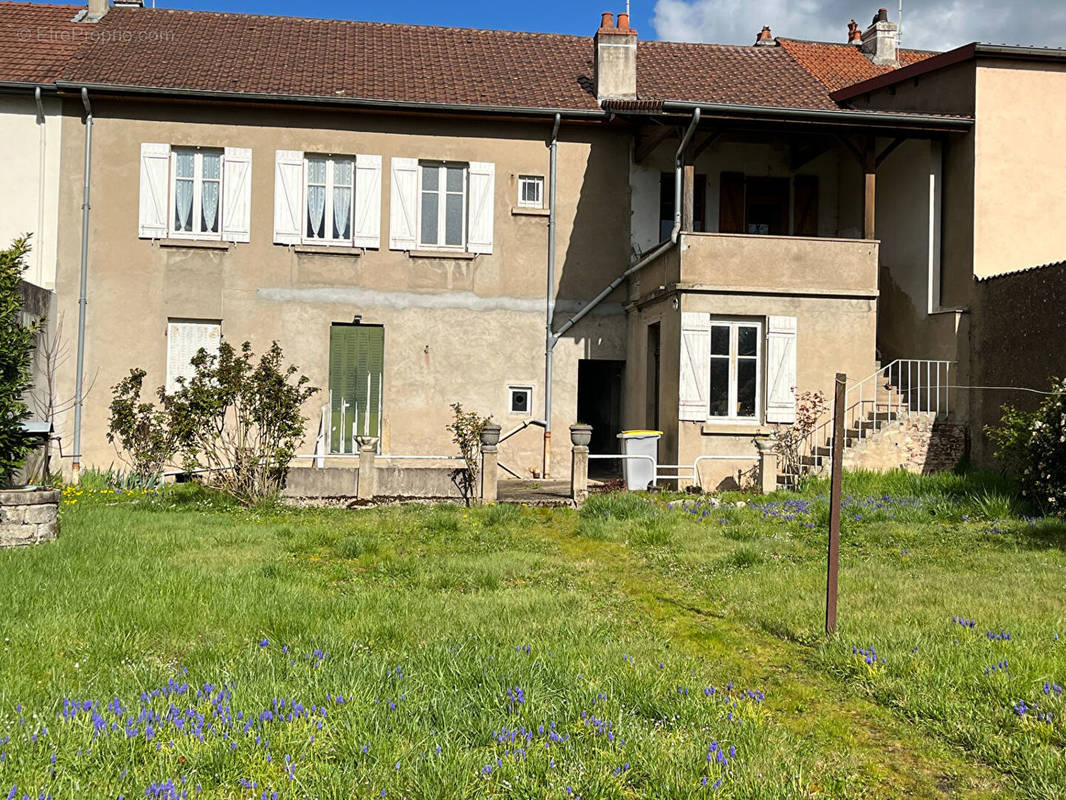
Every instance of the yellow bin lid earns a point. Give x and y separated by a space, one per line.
642 433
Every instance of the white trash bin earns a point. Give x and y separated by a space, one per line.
640 472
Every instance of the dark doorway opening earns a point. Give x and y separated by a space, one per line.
599 404
651 379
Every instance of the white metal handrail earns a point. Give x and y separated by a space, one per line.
904 388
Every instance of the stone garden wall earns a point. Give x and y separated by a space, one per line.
28 517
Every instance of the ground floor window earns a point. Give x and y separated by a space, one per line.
185 338
736 367
356 362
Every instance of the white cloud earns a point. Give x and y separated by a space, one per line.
932 24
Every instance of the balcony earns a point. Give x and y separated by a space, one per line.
742 263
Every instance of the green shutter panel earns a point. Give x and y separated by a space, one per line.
355 370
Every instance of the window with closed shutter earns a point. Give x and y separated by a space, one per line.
356 364
185 338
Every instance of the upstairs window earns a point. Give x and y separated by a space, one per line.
442 209
329 191
531 191
326 199
441 205
195 193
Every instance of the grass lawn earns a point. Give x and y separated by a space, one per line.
171 646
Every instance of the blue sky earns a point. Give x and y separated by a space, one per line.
927 24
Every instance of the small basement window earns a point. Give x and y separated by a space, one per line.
531 191
521 401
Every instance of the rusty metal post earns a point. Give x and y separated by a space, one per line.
835 489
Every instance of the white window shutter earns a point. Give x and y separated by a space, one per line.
367 231
237 194
288 196
184 340
781 369
695 378
403 206
482 206
155 187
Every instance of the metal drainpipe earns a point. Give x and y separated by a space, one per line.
42 150
78 375
549 300
678 173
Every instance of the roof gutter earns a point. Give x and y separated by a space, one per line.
317 100
830 116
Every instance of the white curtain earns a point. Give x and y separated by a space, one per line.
209 204
316 209
342 212
183 205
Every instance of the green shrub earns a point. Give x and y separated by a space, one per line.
1035 445
17 341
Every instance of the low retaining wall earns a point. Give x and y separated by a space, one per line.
392 482
28 517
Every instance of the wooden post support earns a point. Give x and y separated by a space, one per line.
835 488
869 206
368 483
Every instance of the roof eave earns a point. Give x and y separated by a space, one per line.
339 102
838 117
959 55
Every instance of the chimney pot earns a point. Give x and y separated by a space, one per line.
854 34
615 74
882 15
765 38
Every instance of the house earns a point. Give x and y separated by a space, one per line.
545 228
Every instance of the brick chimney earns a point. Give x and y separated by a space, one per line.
765 38
616 59
854 34
880 40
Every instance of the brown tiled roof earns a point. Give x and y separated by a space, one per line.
36 41
204 51
839 65
228 53
717 73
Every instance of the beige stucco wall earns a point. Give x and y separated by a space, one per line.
835 308
1020 159
30 175
455 330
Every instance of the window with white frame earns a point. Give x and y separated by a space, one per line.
185 338
195 192
531 191
736 370
328 193
442 205
521 400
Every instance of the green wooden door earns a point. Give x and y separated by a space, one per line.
356 354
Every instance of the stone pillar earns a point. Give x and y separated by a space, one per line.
490 472
767 465
490 462
368 475
580 437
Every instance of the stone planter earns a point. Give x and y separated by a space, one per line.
580 435
490 435
28 516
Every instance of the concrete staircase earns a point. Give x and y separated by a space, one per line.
884 431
